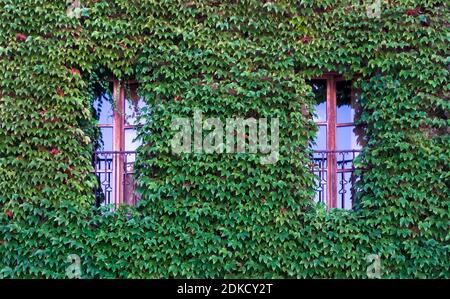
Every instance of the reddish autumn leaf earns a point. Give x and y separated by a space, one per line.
9 214
74 71
54 151
177 98
232 91
21 37
305 39
413 11
59 91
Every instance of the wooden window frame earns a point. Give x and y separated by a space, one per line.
331 126
118 126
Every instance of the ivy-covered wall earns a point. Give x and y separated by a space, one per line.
218 215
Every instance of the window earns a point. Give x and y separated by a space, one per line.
117 113
338 140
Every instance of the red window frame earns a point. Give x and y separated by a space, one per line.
331 126
119 171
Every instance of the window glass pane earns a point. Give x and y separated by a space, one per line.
104 109
133 105
106 143
130 143
346 138
321 139
345 111
132 110
319 88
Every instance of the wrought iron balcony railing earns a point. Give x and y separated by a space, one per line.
334 173
114 171
335 177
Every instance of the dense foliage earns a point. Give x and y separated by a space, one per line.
223 215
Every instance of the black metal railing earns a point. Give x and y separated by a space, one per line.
335 177
116 185
334 173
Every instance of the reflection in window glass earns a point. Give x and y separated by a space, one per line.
345 111
104 109
133 108
321 139
133 105
319 87
130 143
346 138
107 139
